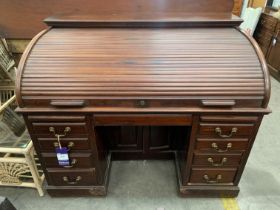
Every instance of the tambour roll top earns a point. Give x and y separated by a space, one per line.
157 63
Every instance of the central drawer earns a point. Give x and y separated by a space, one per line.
142 119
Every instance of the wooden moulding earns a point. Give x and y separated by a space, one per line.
146 110
145 20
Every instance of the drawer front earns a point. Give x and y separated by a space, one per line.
143 119
212 176
277 27
216 160
263 37
268 22
56 118
76 129
228 119
77 144
77 160
226 131
221 146
72 177
264 49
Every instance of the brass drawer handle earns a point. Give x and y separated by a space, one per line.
219 132
69 145
215 147
224 160
72 164
66 130
77 179
58 136
212 181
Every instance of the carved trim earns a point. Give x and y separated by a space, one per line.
10 173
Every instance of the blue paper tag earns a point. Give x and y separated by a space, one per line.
62 156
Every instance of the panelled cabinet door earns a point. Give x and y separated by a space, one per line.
164 138
122 137
157 138
273 56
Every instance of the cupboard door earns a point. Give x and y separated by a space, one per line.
164 138
122 137
273 56
157 138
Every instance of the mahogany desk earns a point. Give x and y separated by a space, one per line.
163 83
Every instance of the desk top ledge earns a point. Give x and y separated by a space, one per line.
144 19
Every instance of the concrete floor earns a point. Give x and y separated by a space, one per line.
130 182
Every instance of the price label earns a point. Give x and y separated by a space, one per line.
62 156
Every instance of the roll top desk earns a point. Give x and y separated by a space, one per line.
144 82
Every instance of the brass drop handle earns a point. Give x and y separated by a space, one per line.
77 179
73 162
212 181
66 130
215 147
219 132
224 160
58 136
69 145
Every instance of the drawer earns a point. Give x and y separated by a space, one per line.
221 146
56 118
76 129
277 27
228 119
263 32
264 49
72 177
226 131
77 160
216 160
47 144
212 176
263 39
142 119
268 22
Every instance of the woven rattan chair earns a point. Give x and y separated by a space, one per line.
18 165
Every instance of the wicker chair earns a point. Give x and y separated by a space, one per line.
18 164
